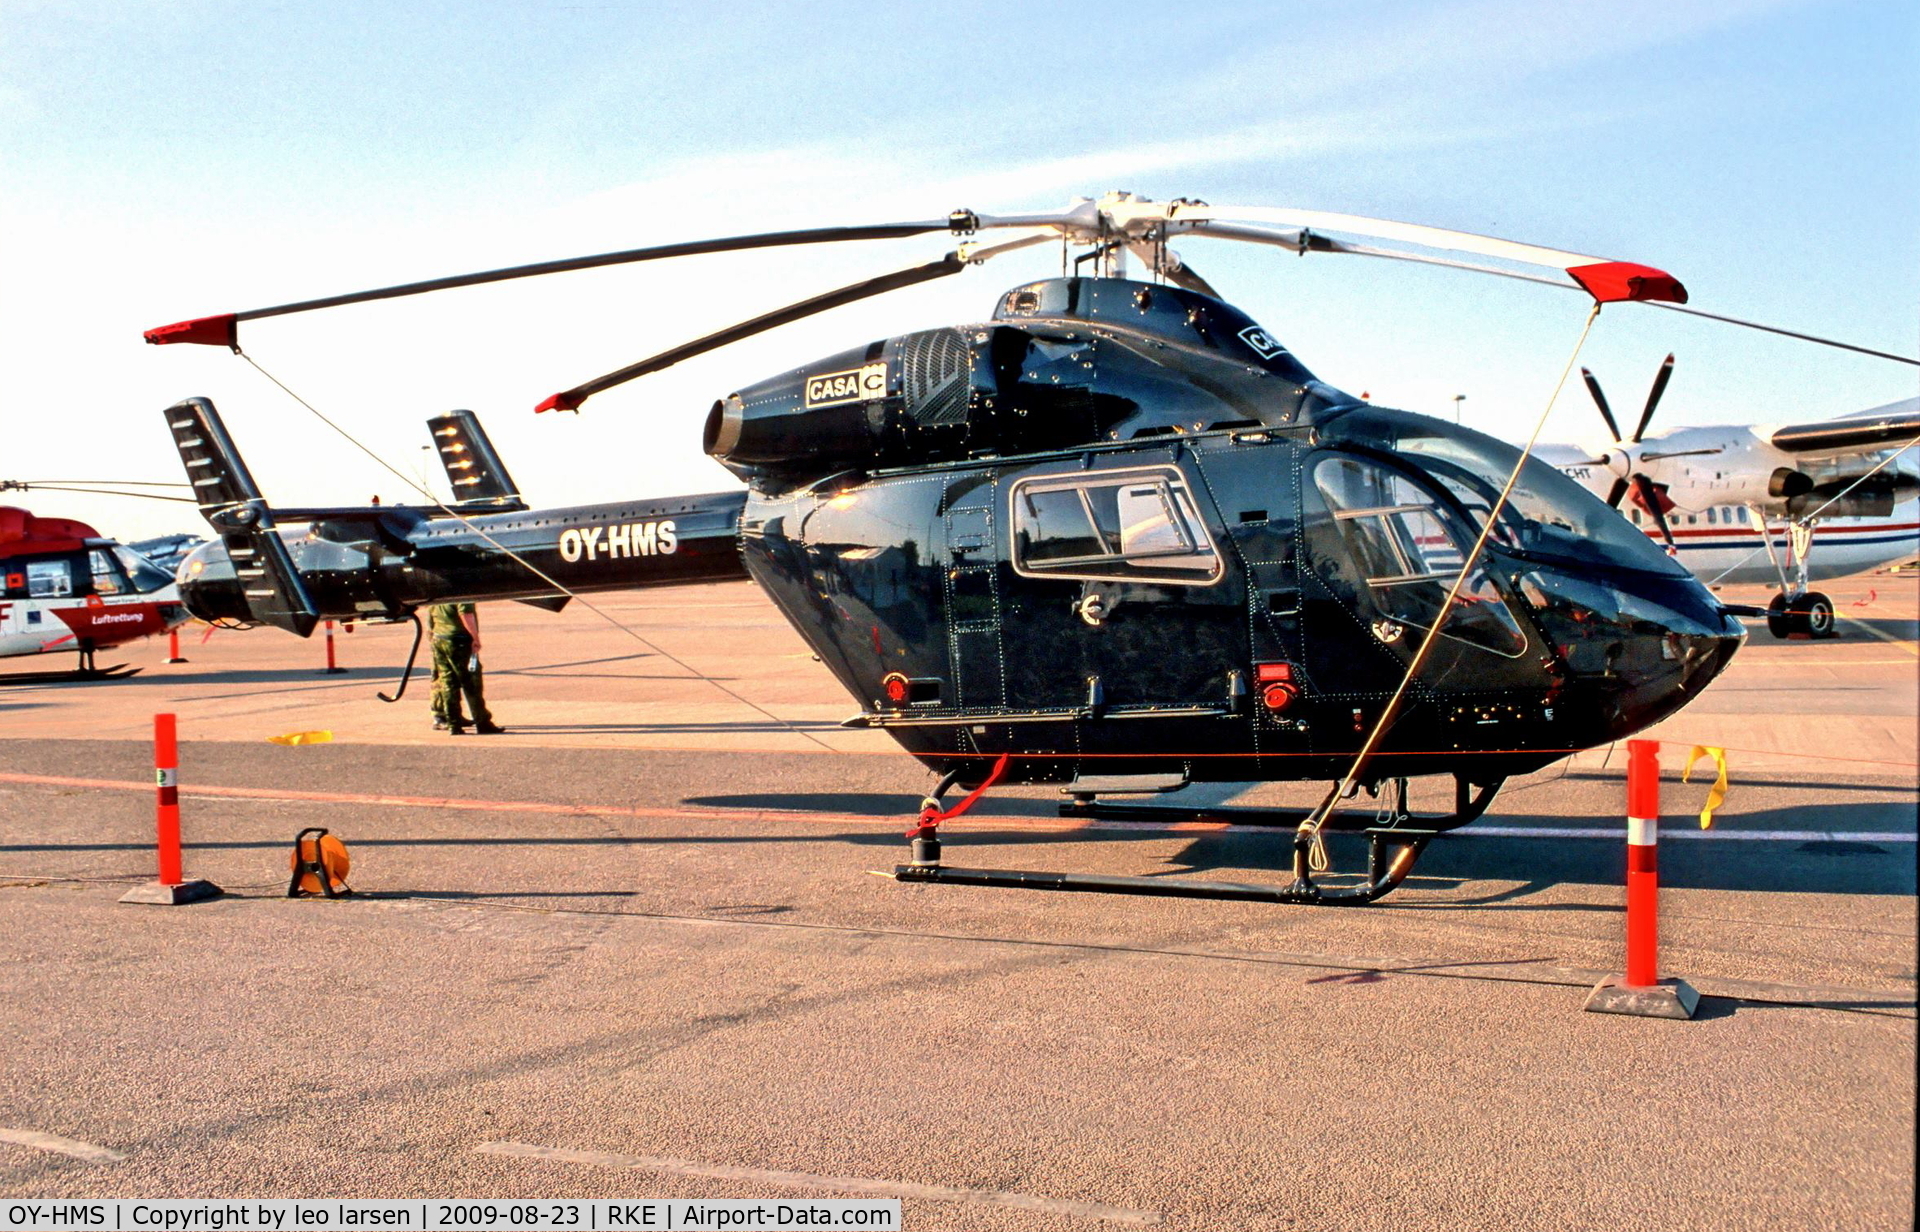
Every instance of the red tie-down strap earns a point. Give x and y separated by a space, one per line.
932 815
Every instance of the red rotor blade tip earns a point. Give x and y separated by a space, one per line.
561 402
1610 282
223 330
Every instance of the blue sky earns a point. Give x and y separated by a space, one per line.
167 161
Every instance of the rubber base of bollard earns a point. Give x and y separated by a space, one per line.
172 895
1666 999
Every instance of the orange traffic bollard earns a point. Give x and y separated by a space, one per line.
332 668
1640 990
171 888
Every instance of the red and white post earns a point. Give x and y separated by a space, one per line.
332 668
166 775
1641 990
1643 863
172 888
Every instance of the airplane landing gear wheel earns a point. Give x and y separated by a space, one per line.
1815 613
1778 622
1808 615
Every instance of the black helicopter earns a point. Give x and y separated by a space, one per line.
1117 532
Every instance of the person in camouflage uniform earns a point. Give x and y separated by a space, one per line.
456 670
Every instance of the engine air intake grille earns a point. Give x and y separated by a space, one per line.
934 367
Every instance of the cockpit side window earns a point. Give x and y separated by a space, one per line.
1137 524
108 577
1409 549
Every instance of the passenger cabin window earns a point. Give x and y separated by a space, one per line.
49 579
1405 545
1138 525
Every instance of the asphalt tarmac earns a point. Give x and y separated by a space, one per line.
632 948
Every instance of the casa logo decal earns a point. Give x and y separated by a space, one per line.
619 542
861 384
1261 341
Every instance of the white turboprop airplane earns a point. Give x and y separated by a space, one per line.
1742 502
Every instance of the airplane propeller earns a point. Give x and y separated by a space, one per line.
1627 449
1650 497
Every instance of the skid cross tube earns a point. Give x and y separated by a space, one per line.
1470 802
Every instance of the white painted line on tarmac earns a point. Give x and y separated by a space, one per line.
1698 836
838 1184
62 1146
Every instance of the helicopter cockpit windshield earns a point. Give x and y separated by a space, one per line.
1548 515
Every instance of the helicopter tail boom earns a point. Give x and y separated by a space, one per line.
381 562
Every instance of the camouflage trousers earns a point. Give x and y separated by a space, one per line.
453 678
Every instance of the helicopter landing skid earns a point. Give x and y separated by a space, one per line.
80 675
1391 852
1383 874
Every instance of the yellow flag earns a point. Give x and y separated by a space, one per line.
1717 794
312 737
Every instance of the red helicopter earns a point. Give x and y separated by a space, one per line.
69 588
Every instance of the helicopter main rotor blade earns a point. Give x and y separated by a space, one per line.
1600 400
570 399
118 483
1651 499
222 330
95 491
1608 281
1653 398
952 263
1300 242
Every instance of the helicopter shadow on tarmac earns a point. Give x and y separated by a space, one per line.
1520 867
1786 866
769 727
